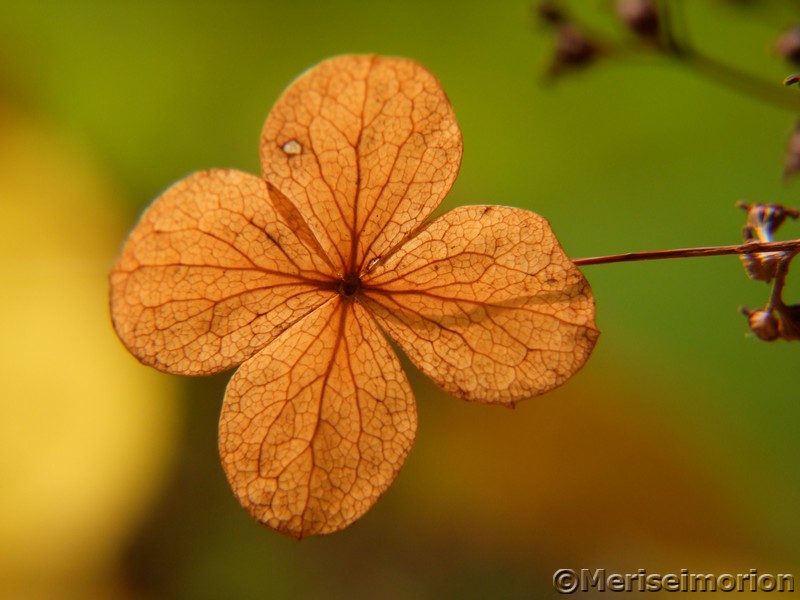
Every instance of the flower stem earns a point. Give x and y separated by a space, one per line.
792 246
776 295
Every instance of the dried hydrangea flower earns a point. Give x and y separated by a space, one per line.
296 277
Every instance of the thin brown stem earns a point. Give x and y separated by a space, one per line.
737 79
748 248
776 295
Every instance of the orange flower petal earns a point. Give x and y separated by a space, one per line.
211 274
366 148
316 426
486 303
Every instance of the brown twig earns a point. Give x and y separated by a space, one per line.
792 246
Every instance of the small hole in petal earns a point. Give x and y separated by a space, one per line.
292 147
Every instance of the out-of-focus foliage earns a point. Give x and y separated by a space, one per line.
675 447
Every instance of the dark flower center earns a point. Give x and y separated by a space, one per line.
350 286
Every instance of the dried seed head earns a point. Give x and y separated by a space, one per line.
788 45
574 49
792 79
550 12
763 220
640 16
763 324
761 266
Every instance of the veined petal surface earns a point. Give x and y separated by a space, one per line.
316 426
211 274
485 302
366 148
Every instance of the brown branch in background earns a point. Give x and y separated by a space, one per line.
681 49
655 22
737 80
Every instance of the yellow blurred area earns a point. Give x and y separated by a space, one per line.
86 434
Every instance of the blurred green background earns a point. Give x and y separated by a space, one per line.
675 447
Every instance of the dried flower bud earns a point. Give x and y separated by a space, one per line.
763 323
641 17
791 79
789 326
788 45
574 49
761 266
763 220
550 12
